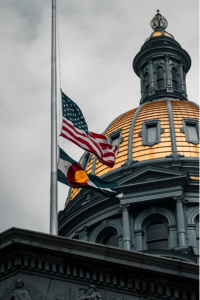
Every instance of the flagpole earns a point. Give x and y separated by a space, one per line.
53 189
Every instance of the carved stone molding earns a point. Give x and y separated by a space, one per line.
129 162
124 207
20 292
89 293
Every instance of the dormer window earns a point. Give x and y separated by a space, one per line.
191 130
115 138
151 132
174 79
160 78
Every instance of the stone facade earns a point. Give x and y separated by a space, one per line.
40 266
159 176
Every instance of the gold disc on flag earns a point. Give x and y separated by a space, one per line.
81 177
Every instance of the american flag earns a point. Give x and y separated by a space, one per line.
75 129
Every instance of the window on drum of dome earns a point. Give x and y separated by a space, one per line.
146 77
191 130
157 236
174 79
160 78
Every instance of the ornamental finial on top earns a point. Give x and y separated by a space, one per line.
158 21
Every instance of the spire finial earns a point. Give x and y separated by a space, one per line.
159 21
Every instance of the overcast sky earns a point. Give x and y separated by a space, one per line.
98 41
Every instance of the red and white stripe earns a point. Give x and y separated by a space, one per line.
94 143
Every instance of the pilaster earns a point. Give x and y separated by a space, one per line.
168 74
151 77
182 80
141 84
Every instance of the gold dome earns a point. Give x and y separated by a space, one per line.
151 110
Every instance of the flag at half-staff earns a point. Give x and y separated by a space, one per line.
72 174
75 129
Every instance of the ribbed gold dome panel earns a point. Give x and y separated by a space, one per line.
184 110
158 111
153 110
123 123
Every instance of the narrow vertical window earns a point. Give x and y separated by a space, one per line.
174 79
160 78
146 83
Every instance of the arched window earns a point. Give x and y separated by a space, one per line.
108 236
174 79
160 78
157 236
111 240
146 77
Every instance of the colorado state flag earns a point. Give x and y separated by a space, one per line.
72 174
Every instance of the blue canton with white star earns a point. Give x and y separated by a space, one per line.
73 113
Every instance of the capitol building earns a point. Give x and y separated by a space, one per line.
157 164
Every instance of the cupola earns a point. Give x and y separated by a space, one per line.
161 64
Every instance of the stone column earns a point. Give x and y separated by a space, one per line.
151 79
182 80
180 221
126 226
141 84
168 75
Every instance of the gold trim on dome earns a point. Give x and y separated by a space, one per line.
167 34
153 110
183 110
158 33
